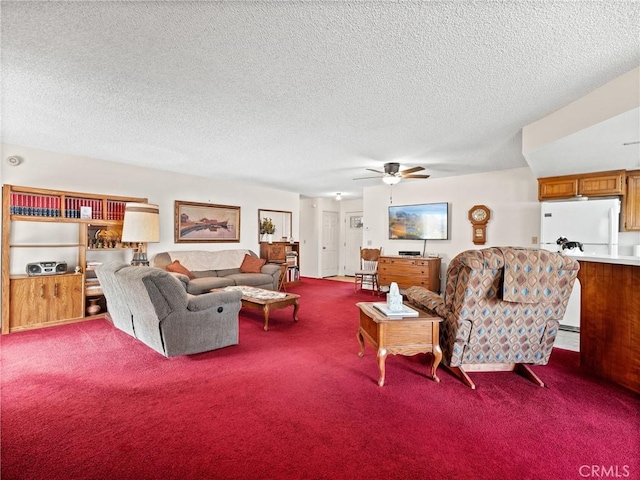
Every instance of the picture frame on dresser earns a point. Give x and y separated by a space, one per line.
206 222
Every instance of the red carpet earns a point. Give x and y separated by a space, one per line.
86 401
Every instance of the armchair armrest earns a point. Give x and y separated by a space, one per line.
274 270
210 300
270 268
184 280
427 300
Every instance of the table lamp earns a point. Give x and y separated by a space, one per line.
141 225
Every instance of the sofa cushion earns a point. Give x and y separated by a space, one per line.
204 273
251 279
198 286
177 267
228 271
252 264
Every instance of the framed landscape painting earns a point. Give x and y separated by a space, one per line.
206 222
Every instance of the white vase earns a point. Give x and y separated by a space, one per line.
269 237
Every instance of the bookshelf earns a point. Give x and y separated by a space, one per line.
286 254
30 302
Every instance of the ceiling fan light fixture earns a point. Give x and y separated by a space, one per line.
391 179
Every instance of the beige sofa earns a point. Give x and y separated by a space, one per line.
218 269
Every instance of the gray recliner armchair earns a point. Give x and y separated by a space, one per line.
153 306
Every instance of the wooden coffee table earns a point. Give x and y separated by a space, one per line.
403 336
268 304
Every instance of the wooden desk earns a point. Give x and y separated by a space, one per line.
409 271
403 336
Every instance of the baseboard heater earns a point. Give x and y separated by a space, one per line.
568 328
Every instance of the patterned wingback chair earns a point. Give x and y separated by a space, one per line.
501 308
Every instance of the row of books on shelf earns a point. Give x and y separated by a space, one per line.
34 205
291 259
92 285
292 274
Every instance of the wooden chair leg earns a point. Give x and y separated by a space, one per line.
462 375
524 370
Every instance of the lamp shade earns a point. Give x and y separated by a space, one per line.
391 179
141 223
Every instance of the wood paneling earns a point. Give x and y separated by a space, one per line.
610 322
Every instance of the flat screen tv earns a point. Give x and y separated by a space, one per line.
427 221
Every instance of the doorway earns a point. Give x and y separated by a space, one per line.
330 239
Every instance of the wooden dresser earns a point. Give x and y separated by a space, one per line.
409 271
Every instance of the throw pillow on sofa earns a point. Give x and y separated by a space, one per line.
177 267
252 264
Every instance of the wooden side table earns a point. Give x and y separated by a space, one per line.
399 336
283 276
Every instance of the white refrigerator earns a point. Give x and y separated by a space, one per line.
593 223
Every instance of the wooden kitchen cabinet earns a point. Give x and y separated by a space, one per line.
45 300
557 187
588 185
409 271
632 202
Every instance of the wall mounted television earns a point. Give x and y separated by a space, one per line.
426 221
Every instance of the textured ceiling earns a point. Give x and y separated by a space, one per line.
303 95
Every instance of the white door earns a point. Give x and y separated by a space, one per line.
330 236
353 242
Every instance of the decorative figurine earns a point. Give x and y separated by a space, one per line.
394 299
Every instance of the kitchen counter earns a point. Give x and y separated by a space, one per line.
617 259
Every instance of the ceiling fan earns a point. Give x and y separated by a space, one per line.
392 173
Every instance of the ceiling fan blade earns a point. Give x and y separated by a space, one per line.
377 171
364 178
416 176
411 170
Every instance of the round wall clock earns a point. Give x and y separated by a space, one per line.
479 215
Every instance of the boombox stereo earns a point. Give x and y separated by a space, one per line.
46 268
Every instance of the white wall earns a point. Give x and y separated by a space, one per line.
59 171
510 194
618 96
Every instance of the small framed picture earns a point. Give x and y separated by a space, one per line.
85 212
205 222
